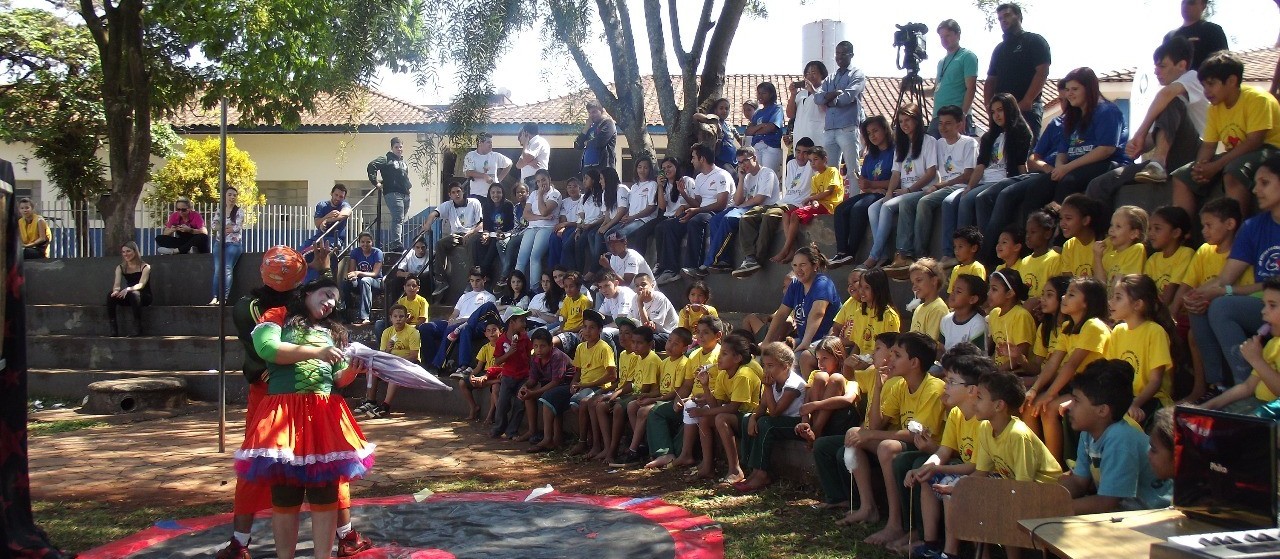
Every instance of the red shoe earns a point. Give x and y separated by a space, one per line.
352 544
234 551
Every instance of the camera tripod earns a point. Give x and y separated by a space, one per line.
911 90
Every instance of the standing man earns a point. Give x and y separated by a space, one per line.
483 166
1019 66
536 154
395 188
957 80
1206 37
462 219
598 143
841 94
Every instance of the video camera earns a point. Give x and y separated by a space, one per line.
909 39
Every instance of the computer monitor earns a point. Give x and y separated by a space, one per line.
1225 468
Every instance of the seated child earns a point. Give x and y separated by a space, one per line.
926 284
1123 252
735 391
658 383
642 379
575 302
483 374
548 387
1011 327
1264 382
872 315
1036 268
777 414
699 296
661 419
826 191
1219 219
966 242
965 323
513 348
1112 472
1010 247
1145 337
829 396
400 340
710 333
597 373
1160 436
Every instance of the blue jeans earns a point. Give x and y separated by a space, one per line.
507 253
510 408
533 247
695 239
1220 331
951 208
365 286
851 221
577 249
471 332
882 214
724 225
398 205
435 345
926 208
840 141
906 239
670 233
234 250
556 246
997 206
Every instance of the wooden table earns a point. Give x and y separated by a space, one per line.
1097 535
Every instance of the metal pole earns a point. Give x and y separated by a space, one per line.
377 220
218 283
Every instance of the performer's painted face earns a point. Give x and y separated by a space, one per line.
321 302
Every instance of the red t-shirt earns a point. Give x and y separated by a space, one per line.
516 367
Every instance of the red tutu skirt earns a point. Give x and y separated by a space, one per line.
303 439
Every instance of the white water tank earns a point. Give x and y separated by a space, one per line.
818 42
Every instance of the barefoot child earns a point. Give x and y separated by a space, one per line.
547 388
1123 252
658 384
1142 337
602 408
777 414
644 382
661 418
710 332
597 371
827 394
735 390
480 378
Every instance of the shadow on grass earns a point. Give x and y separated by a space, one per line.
79 525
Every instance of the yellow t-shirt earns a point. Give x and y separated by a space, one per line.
1271 352
1119 263
1015 328
689 319
1145 347
627 370
1092 337
1036 270
485 358
571 311
697 359
1165 270
1207 263
1255 111
974 268
961 434
29 232
648 369
1016 453
743 388
1076 259
927 318
923 405
405 343
417 307
1042 348
862 326
673 373
594 362
830 178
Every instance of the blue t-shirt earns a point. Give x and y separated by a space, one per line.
1119 466
1106 128
1047 145
769 114
362 262
339 232
801 303
879 167
1258 245
726 154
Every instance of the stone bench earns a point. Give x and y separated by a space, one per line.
135 395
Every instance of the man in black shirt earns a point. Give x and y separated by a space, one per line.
395 186
1019 66
1206 37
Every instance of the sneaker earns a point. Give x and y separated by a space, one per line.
365 407
668 277
383 409
234 551
353 543
748 267
900 262
502 282
166 251
927 551
375 412
627 458
441 288
458 374
1153 172
695 273
453 336
840 259
720 268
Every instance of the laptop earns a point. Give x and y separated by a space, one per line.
1225 468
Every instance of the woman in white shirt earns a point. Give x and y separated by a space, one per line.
542 212
915 168
671 203
642 208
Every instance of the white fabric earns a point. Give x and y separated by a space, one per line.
811 118
953 159
642 195
623 201
798 183
661 312
1197 104
538 147
553 195
711 184
911 170
629 263
410 262
620 304
796 382
459 219
674 207
763 182
952 333
488 164
570 208
470 301
997 169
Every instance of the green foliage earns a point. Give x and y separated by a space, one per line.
194 173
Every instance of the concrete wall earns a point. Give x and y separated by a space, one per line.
178 279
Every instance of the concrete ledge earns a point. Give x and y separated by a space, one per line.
167 353
176 279
91 320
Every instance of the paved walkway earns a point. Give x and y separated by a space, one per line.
175 461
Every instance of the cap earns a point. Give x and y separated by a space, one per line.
516 311
626 320
615 236
594 316
283 269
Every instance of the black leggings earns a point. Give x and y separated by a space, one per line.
131 299
290 496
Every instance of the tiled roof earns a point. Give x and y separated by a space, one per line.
379 109
1259 65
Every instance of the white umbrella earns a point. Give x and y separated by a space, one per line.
394 369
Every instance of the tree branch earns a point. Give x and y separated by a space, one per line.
673 16
711 84
658 57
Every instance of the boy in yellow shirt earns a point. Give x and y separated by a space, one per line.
571 308
658 418
401 341
966 242
705 358
652 381
597 371
638 373
735 391
479 376
825 193
911 399
414 304
1219 220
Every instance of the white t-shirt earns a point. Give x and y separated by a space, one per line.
458 219
1197 105
410 262
953 159
538 147
797 185
470 301
674 207
539 304
973 331
811 118
589 210
763 182
912 169
620 304
489 164
998 168
570 208
643 195
630 263
711 184
794 383
553 195
622 202
662 312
